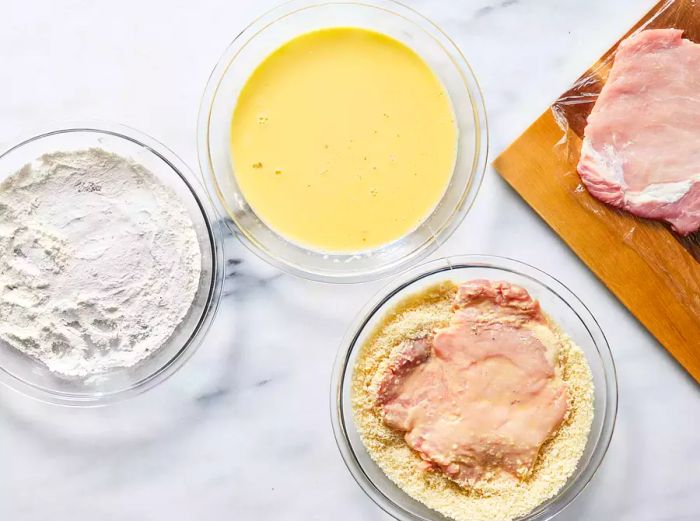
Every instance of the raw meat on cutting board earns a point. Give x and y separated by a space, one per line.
641 147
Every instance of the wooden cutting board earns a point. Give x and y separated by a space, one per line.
653 271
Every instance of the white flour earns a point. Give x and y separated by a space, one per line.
99 262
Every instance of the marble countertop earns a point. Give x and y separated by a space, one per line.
243 430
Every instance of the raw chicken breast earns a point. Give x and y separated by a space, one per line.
641 146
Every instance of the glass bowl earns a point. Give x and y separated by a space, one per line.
25 374
282 24
559 302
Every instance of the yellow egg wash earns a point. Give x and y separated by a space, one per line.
343 140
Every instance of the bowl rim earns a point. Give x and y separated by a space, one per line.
341 367
213 226
479 162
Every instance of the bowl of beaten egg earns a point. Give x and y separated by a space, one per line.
345 141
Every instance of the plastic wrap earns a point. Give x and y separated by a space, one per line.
571 111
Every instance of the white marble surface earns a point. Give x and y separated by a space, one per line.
243 431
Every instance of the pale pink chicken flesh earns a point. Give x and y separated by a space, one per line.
482 395
641 143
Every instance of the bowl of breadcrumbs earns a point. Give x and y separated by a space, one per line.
378 403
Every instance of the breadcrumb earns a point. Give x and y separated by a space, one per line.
497 499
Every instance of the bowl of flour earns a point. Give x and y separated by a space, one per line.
110 264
